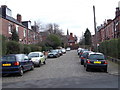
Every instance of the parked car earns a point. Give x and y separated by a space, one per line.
60 52
63 50
16 63
81 51
68 49
53 53
96 60
38 58
84 56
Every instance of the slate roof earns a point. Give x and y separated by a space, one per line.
14 20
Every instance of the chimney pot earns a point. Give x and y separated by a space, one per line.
19 18
71 34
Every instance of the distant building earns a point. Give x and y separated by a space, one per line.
71 40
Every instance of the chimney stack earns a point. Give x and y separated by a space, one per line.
71 34
19 18
109 21
3 7
117 13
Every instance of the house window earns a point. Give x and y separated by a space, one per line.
17 28
10 29
28 33
24 32
34 36
116 26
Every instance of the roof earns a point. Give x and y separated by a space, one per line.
96 53
13 54
13 20
36 52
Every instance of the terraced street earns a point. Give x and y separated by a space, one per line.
64 72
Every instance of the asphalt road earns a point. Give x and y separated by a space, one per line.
64 72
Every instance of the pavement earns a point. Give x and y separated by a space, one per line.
113 68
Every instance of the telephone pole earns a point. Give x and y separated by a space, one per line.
96 47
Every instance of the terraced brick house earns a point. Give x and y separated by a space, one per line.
109 30
23 28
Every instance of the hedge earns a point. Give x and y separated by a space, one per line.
27 49
110 48
35 48
13 47
2 45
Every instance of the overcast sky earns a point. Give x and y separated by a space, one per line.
76 15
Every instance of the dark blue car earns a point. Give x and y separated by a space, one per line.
16 63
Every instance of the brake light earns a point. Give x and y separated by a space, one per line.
82 58
80 53
105 62
88 61
17 63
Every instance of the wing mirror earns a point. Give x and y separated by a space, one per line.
26 58
41 55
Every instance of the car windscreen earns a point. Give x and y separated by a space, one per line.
53 51
84 54
8 58
33 55
96 57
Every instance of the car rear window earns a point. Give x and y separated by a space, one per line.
96 56
20 57
8 58
33 55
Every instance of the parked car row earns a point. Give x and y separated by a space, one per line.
92 60
19 63
56 53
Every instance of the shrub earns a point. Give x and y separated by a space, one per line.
27 49
13 47
35 48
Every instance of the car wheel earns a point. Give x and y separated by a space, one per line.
32 67
82 63
44 62
39 64
105 70
21 71
56 56
87 68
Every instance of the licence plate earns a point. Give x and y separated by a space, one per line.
51 55
6 64
98 62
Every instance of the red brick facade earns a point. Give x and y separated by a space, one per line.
26 35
